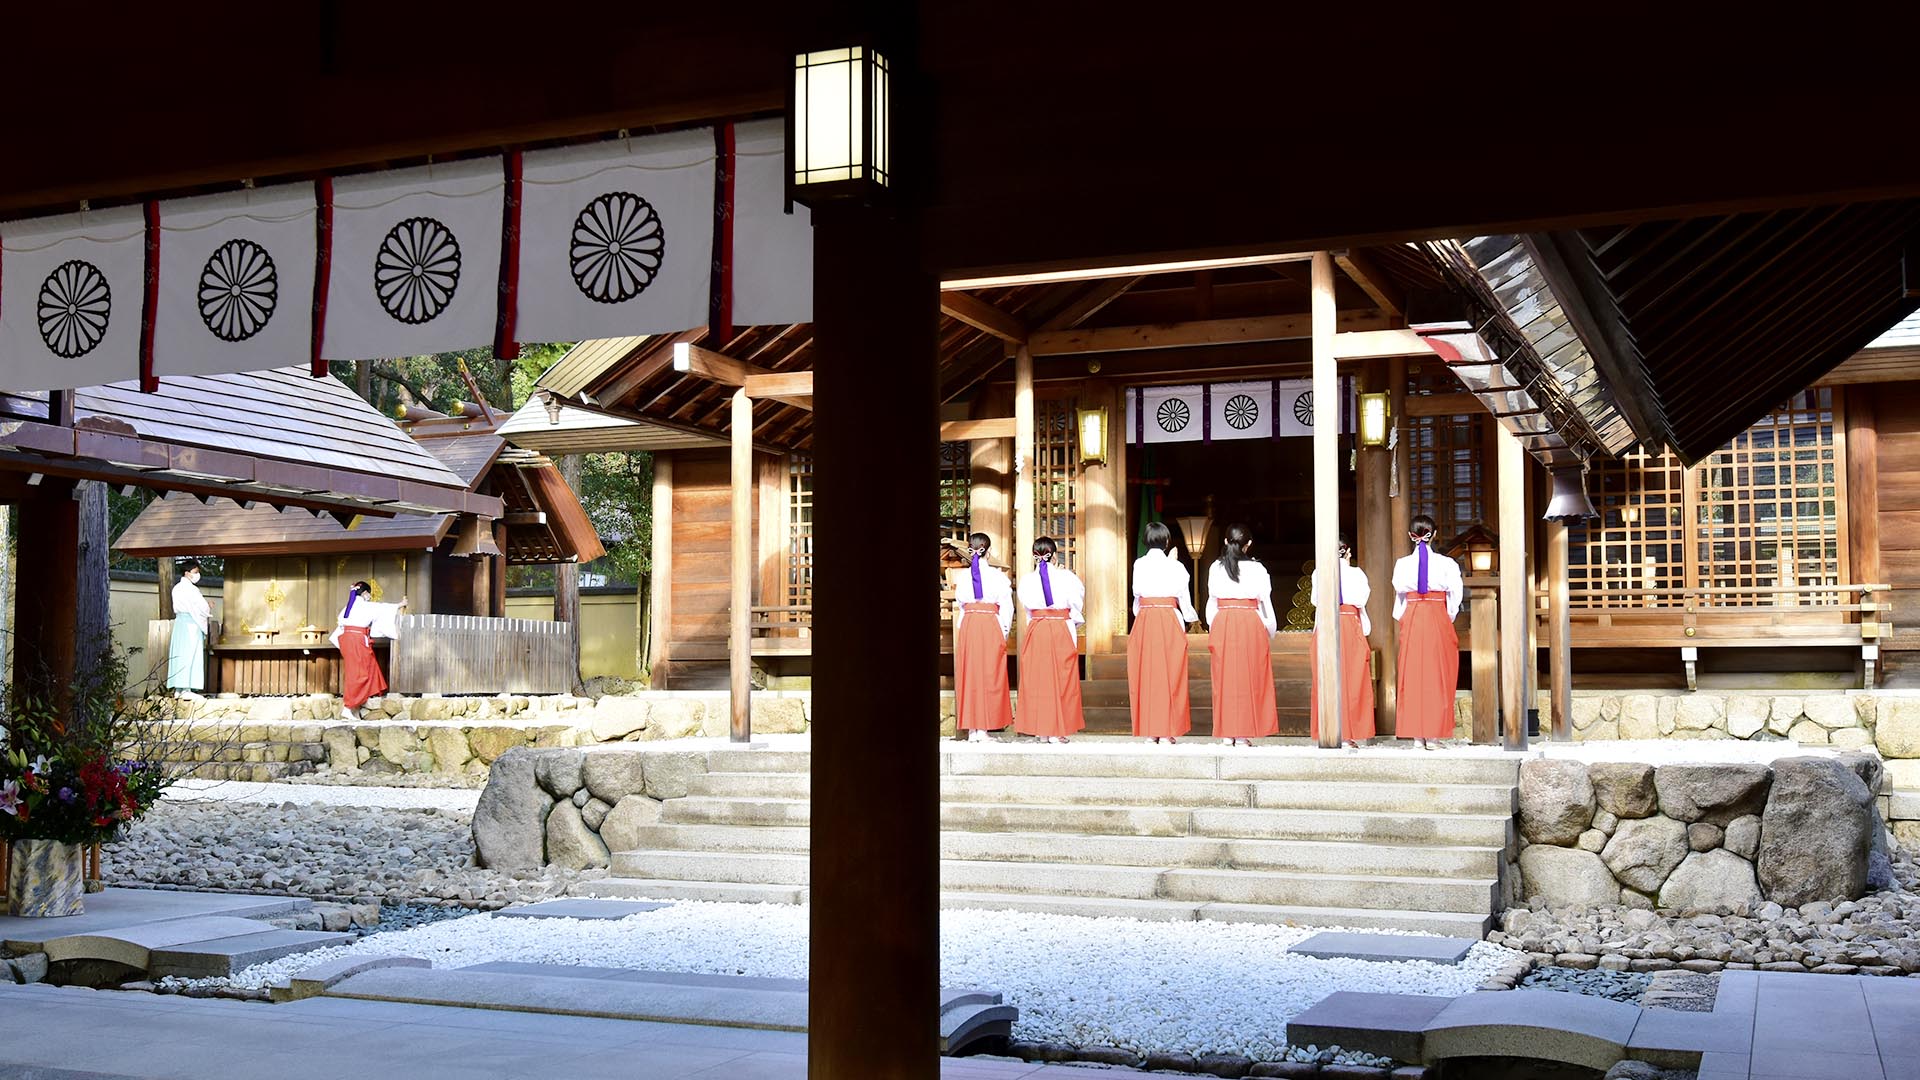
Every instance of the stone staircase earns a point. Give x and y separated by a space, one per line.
1104 691
1382 839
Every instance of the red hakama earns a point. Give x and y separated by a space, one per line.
360 676
980 698
1243 705
1049 677
1429 668
1157 670
1356 688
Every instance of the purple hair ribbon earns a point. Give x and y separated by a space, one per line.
1046 583
979 588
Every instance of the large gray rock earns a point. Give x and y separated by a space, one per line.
613 774
1743 836
570 843
509 822
1556 800
675 718
1624 788
558 771
779 716
1710 879
670 773
1563 877
1898 729
615 718
1643 852
621 830
1712 793
1868 767
1816 832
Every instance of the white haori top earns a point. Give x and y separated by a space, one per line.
995 589
188 601
1443 575
1254 584
1068 592
379 620
1158 574
1355 589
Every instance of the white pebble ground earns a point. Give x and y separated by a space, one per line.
393 798
1199 987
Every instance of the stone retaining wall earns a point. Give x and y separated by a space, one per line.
1700 837
260 738
571 807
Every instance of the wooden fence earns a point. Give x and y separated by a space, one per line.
465 654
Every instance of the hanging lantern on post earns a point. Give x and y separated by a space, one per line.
837 126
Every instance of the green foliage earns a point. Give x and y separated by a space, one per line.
434 381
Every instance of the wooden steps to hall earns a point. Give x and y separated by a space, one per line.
1382 839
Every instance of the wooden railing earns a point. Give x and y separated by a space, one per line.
465 654
782 630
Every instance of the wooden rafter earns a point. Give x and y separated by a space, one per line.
981 315
1001 427
1204 332
792 387
1386 292
659 357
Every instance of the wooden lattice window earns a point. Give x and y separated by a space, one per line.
799 530
1446 459
1638 543
956 488
1056 477
1769 507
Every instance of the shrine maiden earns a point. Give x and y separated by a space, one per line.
361 621
1427 589
1157 645
1049 651
1356 688
1240 629
983 608
187 652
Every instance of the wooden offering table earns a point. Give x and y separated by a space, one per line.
282 667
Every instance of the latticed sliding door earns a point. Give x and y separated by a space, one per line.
1446 462
1056 479
956 489
1638 543
1771 503
799 531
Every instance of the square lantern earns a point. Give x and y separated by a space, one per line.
1376 419
1093 436
1478 548
837 125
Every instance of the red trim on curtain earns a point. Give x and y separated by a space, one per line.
720 307
149 382
322 267
504 345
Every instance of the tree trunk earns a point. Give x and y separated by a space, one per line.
164 571
566 577
363 380
92 624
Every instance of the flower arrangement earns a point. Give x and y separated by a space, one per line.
79 798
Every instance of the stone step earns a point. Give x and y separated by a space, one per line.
220 957
726 892
1278 888
1306 856
1447 830
1122 791
133 945
1209 763
1413 799
763 760
1447 923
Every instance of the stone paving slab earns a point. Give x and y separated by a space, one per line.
114 909
1385 948
669 978
224 956
1548 1024
580 908
779 1010
1392 1025
134 945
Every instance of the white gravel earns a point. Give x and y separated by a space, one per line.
1199 987
395 798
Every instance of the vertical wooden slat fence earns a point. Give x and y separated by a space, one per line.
465 654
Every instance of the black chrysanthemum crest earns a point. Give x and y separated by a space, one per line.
417 270
75 307
239 288
618 246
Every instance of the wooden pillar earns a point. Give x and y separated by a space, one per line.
1484 641
1326 497
660 603
1559 635
874 943
1400 509
1104 556
497 582
1515 606
93 623
990 472
48 548
1863 489
566 576
1374 528
164 577
741 570
1023 440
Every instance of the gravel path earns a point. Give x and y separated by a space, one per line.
399 798
1201 987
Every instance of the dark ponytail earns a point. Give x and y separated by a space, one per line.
1422 527
1158 536
1043 548
979 542
1234 548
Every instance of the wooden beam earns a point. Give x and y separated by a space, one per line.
1386 292
1371 344
792 387
981 315
691 359
1182 266
1089 303
1326 502
1460 404
638 372
740 575
999 427
1203 332
1516 607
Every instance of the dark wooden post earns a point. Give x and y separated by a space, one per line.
48 602
497 584
163 571
875 875
566 576
92 622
